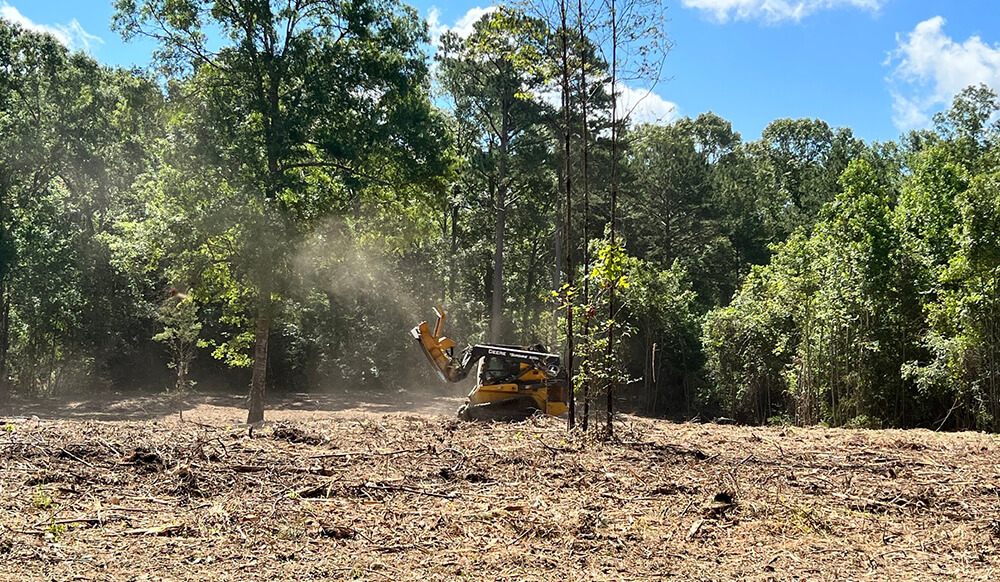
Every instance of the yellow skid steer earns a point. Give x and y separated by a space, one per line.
513 382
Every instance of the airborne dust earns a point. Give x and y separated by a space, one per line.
359 275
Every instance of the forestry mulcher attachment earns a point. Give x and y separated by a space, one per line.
513 382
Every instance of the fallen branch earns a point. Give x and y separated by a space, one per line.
247 468
367 454
69 520
154 500
282 470
75 458
865 500
110 448
160 530
407 490
555 450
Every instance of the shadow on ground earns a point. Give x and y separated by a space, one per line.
231 408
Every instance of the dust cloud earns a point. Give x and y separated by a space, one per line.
378 293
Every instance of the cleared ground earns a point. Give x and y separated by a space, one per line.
336 491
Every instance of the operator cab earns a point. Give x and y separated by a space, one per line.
505 370
498 370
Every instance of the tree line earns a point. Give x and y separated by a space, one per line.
292 186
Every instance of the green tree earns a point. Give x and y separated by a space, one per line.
664 353
950 220
74 137
179 317
673 210
492 78
751 345
300 108
969 125
799 162
965 318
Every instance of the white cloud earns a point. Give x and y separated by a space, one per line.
463 27
639 105
552 95
72 35
931 69
774 10
645 106
908 113
642 105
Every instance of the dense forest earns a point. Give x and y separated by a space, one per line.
290 188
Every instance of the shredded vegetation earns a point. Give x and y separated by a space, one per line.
420 497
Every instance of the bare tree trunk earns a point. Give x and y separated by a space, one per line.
453 257
614 204
181 375
529 294
6 252
557 270
4 338
647 372
571 397
585 135
496 313
258 380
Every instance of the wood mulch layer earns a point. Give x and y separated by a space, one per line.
410 497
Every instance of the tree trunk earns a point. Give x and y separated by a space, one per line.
529 294
496 313
4 339
181 370
614 203
6 254
557 242
571 397
453 258
258 380
584 99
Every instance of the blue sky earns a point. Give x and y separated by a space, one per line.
879 67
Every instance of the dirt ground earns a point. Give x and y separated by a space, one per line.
333 489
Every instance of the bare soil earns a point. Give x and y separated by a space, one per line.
333 490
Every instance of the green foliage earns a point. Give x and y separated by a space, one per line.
289 171
892 319
505 185
655 351
74 136
609 272
664 351
303 112
964 318
832 307
602 357
676 207
750 345
181 327
54 530
40 499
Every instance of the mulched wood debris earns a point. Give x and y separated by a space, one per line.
408 497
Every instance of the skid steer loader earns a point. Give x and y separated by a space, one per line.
513 382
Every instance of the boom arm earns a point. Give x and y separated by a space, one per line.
440 352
